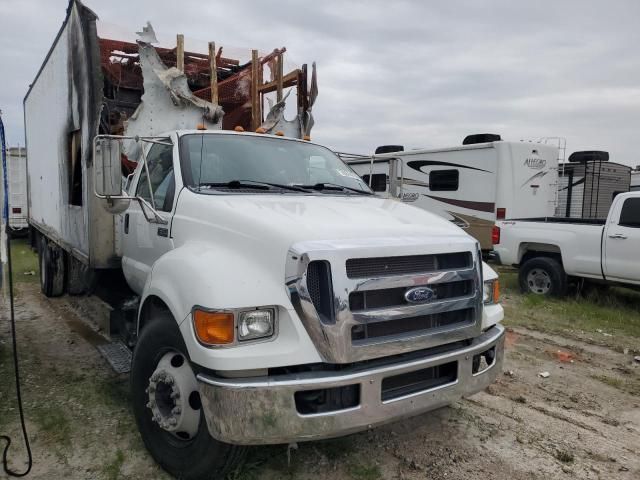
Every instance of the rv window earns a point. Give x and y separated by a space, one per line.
444 180
74 166
630 215
160 162
378 183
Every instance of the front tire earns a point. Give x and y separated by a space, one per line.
543 276
192 454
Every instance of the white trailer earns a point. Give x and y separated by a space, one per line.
17 180
473 184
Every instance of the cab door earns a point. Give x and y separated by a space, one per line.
143 241
621 255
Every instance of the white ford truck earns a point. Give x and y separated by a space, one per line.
278 300
550 252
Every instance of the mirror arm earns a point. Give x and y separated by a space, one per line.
144 205
146 169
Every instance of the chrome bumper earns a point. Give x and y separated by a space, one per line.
257 411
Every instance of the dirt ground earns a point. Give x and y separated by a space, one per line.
583 421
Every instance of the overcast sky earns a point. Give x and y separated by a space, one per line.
421 74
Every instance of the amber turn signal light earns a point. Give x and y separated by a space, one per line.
496 291
213 328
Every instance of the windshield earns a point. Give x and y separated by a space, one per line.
222 162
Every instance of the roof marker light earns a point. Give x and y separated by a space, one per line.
239 128
280 133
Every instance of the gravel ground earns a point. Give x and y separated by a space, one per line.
582 421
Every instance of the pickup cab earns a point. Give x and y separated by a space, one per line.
551 252
281 301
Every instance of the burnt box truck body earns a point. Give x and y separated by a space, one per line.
277 299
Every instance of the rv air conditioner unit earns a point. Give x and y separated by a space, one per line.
589 156
481 138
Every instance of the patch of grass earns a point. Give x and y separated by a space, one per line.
613 311
23 262
112 470
359 471
631 386
564 456
7 393
52 420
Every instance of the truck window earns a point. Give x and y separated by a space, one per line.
378 182
444 180
160 161
630 215
221 158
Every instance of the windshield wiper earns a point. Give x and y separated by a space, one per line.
254 184
334 186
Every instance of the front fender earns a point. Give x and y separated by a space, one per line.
200 274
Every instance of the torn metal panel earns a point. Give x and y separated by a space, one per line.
302 124
167 103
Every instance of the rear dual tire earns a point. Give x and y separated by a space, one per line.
52 268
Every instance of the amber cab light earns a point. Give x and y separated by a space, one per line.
495 235
213 328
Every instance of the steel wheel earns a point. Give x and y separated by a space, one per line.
174 400
539 281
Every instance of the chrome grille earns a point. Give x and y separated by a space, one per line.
349 295
391 297
414 325
388 266
320 290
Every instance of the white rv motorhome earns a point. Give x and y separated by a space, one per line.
17 180
474 184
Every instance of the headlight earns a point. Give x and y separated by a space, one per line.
255 324
491 292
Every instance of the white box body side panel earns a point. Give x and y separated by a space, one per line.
66 97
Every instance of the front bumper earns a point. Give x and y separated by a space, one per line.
255 411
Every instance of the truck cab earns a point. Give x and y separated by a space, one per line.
282 301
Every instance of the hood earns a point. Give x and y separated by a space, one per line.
285 219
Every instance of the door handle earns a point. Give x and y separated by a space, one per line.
618 236
126 223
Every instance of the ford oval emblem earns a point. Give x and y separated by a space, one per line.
419 295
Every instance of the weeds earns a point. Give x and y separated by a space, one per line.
112 470
564 456
358 471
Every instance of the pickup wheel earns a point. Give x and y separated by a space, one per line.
543 276
51 262
167 408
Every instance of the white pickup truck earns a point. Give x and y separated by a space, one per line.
550 252
275 299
